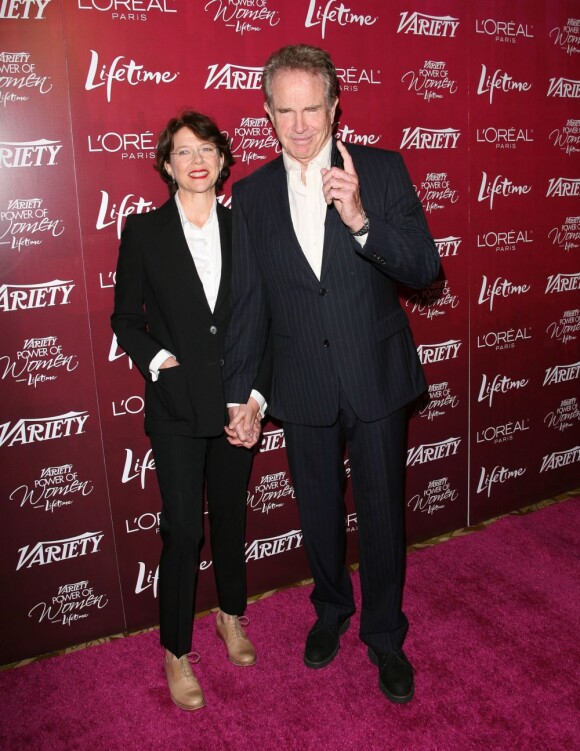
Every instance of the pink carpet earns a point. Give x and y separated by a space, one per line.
494 640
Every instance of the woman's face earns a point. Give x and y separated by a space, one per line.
195 165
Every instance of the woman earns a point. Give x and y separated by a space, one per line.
171 314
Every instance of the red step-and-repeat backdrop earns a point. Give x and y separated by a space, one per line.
482 100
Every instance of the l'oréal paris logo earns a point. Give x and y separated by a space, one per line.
52 551
563 187
39 429
429 452
42 153
123 71
502 433
128 10
567 37
352 78
504 240
506 339
560 459
234 77
421 24
28 296
504 31
501 187
23 9
243 15
128 145
562 283
565 88
430 138
321 14
504 138
489 83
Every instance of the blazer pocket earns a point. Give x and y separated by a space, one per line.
391 324
171 387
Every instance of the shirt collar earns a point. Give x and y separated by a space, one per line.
322 159
183 218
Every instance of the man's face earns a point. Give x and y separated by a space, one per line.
300 114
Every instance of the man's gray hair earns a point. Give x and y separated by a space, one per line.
301 57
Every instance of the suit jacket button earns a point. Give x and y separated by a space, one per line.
221 363
326 343
322 291
213 329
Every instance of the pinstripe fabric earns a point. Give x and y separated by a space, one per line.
345 366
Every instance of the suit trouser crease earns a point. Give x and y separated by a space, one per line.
377 459
184 465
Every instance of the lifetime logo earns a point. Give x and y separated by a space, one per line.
423 25
41 153
52 551
32 430
430 138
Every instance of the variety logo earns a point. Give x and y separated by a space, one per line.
37 358
447 246
24 9
567 139
440 352
26 219
269 546
269 491
29 296
42 153
132 405
129 145
565 88
352 78
430 452
18 77
433 301
114 215
430 138
563 187
127 10
562 283
499 186
561 374
500 288
567 415
349 135
497 476
499 384
124 71
566 329
431 81
36 430
56 488
504 138
435 497
136 468
502 433
234 77
43 553
436 192
421 24
329 12
504 31
245 15
567 37
499 81
505 240
72 602
440 399
254 139
560 459
272 440
500 340
143 523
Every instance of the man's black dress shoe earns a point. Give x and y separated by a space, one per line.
395 675
322 643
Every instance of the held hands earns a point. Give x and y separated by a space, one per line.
341 187
245 424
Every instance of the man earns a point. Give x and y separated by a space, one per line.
321 235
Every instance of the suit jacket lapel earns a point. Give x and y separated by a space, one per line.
225 227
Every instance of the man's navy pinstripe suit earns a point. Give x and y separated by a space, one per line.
345 367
